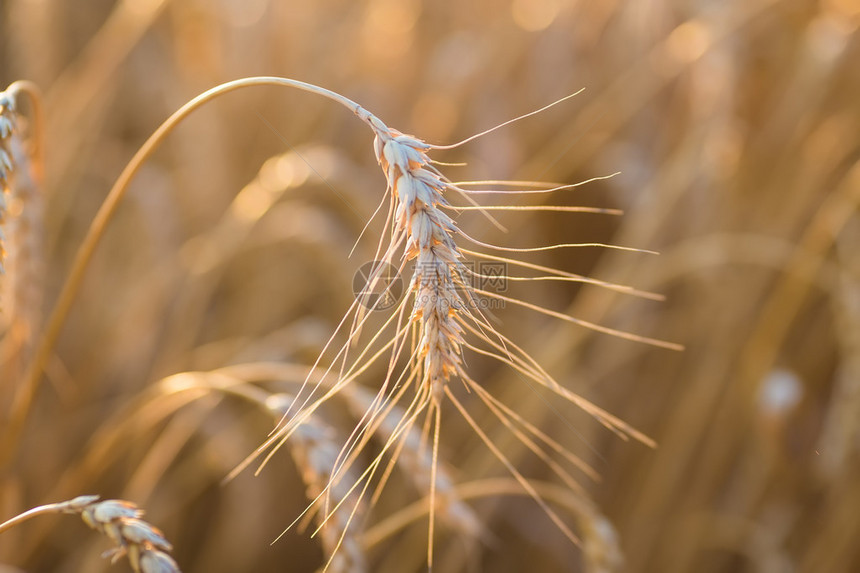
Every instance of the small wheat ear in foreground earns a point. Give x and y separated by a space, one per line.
143 544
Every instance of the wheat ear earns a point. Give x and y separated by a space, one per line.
20 223
438 316
314 448
315 451
7 130
444 306
119 520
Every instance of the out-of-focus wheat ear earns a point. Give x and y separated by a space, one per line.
601 550
144 544
7 130
21 206
21 209
8 127
409 450
315 449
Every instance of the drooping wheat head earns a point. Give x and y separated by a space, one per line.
426 333
442 309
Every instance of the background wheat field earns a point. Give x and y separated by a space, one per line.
735 127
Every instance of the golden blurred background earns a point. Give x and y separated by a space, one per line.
734 126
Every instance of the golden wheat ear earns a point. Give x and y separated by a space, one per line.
427 332
20 197
442 316
144 544
21 260
424 337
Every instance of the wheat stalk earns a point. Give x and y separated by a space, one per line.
119 520
438 318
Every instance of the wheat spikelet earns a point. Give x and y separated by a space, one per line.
119 520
